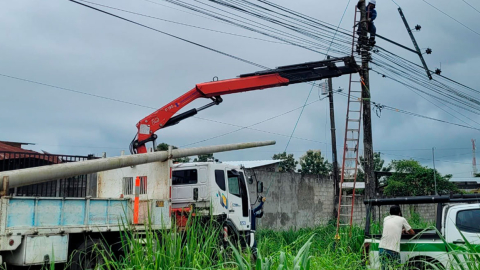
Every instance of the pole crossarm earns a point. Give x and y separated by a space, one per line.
415 44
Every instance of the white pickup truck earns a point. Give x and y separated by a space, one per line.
442 247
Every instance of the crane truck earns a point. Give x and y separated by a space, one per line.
144 187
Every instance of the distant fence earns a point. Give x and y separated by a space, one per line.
69 187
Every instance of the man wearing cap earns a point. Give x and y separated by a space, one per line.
371 16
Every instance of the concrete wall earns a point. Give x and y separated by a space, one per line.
296 201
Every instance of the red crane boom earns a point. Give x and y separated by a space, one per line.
280 76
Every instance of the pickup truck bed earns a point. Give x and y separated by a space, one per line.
429 234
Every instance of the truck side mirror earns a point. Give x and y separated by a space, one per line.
250 180
195 194
260 187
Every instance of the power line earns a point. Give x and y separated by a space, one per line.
174 36
424 83
452 18
210 48
415 89
300 116
263 121
74 91
426 159
395 3
421 149
414 114
471 6
298 119
183 24
225 53
153 108
254 26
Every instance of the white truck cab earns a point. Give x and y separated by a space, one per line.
442 246
216 189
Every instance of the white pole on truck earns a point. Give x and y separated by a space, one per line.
23 177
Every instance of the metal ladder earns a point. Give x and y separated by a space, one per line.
351 144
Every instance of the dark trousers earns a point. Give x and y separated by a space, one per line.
371 29
389 259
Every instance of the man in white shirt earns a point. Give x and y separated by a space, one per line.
393 227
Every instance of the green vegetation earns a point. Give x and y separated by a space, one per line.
413 179
203 158
288 164
201 247
164 147
378 166
313 163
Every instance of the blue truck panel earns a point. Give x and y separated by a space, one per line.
21 213
48 212
73 213
51 212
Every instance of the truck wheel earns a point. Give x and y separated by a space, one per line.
91 254
424 265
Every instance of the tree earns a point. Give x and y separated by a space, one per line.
164 147
203 158
288 163
377 165
313 163
412 179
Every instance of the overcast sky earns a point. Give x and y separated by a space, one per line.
67 45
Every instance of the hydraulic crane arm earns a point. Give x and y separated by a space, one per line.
280 76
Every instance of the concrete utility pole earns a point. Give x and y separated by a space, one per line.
336 180
368 166
36 175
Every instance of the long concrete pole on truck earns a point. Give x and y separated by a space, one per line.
23 177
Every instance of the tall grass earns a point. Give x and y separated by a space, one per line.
201 247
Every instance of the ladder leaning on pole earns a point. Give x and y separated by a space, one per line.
351 145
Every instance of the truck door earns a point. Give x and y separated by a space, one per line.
464 218
238 201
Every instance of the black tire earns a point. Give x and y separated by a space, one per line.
424 265
90 254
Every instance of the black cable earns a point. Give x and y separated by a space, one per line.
471 6
240 58
74 91
415 91
249 24
257 123
444 13
176 37
414 114
149 107
183 24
